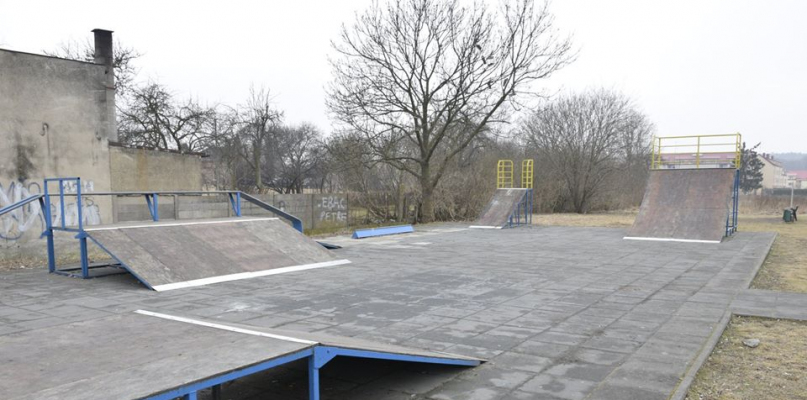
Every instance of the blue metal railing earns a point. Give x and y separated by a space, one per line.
22 203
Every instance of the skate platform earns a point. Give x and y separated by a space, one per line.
177 254
686 205
148 355
505 209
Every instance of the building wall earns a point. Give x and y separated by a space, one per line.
773 175
53 123
138 170
145 169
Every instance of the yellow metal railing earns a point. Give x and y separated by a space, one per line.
527 174
704 151
504 174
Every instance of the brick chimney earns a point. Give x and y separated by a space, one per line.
104 55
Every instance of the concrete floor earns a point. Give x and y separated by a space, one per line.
560 313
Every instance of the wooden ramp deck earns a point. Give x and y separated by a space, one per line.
176 254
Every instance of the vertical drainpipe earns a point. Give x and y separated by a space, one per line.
104 55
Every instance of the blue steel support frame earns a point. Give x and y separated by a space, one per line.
317 357
732 217
523 213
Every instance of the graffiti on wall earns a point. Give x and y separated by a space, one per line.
333 209
15 224
29 221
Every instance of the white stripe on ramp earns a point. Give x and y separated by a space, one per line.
224 327
484 227
247 275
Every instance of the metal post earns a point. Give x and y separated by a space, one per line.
238 204
190 396
176 207
313 379
49 231
698 154
792 189
61 200
85 262
156 208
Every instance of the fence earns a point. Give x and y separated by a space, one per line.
318 211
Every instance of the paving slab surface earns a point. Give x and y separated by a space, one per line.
560 313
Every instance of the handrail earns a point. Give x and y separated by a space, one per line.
296 222
21 203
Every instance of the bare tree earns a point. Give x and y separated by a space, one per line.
421 79
122 60
255 120
297 153
587 138
152 117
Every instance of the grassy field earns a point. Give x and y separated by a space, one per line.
785 269
776 369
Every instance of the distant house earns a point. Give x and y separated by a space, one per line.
773 173
797 179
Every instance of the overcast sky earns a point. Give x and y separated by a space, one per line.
695 67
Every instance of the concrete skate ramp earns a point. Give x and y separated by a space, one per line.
150 355
177 254
685 204
501 207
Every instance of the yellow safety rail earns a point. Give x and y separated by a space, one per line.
504 174
527 174
693 152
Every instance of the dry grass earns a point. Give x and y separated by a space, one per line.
622 219
785 269
774 370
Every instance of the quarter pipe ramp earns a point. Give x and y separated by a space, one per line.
685 205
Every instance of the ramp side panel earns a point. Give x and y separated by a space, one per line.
685 204
501 207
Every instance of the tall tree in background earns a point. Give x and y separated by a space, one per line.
587 139
255 121
152 117
420 80
750 169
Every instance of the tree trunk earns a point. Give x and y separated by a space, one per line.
427 191
256 159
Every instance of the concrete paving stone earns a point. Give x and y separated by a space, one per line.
548 350
558 386
610 391
555 336
665 348
457 390
628 334
602 312
498 315
490 374
689 326
599 357
522 362
468 350
455 312
611 344
580 370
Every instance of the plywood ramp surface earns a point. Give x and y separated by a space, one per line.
688 204
174 255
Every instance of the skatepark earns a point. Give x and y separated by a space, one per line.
249 308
